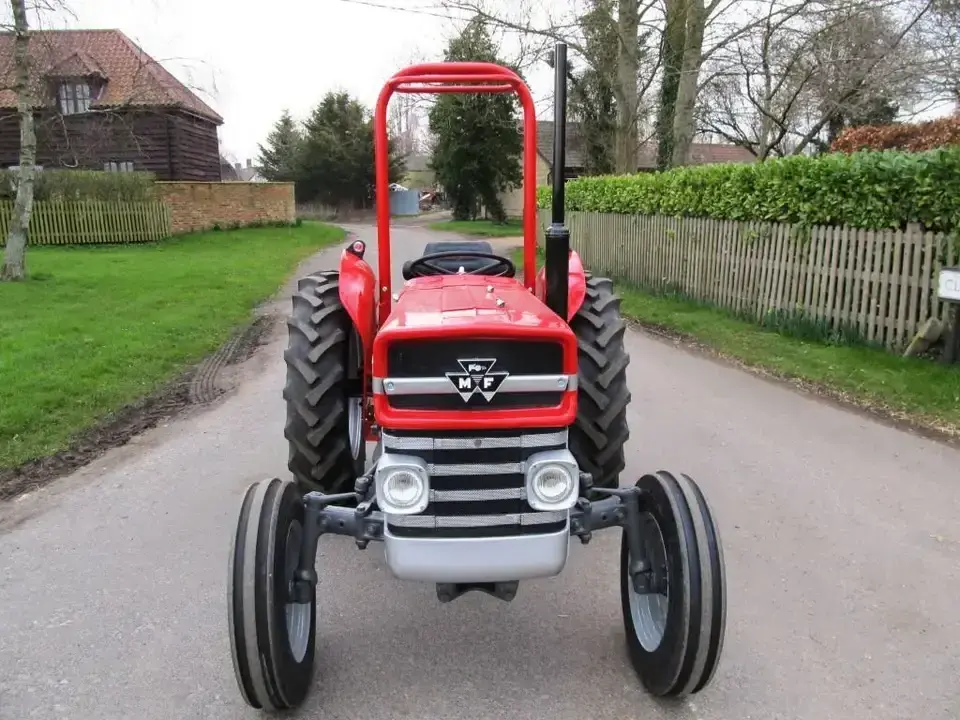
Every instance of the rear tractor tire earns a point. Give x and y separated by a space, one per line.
323 391
598 435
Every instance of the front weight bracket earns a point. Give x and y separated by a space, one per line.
621 507
324 515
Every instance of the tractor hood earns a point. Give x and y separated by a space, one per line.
492 331
481 303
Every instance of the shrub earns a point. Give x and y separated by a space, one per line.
871 190
911 137
83 185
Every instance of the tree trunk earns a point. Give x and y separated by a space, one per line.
674 39
686 103
628 68
14 257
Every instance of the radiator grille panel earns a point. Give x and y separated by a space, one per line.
425 358
434 358
476 483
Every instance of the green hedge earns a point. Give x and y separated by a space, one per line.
83 185
872 190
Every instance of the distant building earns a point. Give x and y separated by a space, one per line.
240 173
102 103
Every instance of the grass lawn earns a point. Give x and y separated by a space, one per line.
922 391
480 228
98 327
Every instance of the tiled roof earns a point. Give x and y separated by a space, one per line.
133 77
700 153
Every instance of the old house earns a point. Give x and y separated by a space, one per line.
102 103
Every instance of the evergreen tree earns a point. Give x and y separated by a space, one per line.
592 100
337 160
279 157
478 145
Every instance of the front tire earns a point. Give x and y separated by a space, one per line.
675 630
271 638
598 435
324 429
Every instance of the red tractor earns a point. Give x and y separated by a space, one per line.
499 413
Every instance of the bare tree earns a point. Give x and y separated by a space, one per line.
404 122
938 35
630 76
14 256
809 70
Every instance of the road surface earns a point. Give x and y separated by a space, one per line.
841 538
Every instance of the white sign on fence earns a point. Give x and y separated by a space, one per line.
949 288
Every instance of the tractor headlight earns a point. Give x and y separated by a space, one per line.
553 480
402 484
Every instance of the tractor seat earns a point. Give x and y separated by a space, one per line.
455 263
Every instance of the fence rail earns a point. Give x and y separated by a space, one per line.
91 222
879 284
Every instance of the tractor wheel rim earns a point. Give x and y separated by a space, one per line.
649 610
355 425
298 615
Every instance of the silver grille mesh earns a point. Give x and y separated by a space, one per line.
478 495
489 450
475 469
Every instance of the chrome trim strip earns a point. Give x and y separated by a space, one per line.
422 442
469 521
443 386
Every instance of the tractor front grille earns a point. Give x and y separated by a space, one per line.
446 359
476 482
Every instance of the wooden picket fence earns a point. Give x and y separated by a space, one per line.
880 284
87 222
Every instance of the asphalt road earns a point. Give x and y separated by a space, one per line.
841 537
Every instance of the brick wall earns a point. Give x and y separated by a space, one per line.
201 205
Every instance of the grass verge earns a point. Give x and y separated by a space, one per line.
98 327
479 228
920 392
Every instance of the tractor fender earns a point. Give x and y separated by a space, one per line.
576 284
358 285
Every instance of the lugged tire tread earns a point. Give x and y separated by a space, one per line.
316 359
600 432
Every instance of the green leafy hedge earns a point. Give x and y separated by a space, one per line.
872 190
83 185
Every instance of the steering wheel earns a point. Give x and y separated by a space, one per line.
425 266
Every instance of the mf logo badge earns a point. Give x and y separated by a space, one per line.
477 378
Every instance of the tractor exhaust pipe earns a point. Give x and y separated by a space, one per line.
557 260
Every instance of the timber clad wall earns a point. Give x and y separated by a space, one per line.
171 144
882 284
201 205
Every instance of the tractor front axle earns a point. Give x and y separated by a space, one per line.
327 515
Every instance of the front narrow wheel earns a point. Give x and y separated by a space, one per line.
272 638
675 616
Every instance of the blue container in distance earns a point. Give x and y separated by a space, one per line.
405 202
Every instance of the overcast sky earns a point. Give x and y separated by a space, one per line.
255 58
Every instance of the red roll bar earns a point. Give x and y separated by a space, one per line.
460 77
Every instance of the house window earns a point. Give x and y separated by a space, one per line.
118 166
74 98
